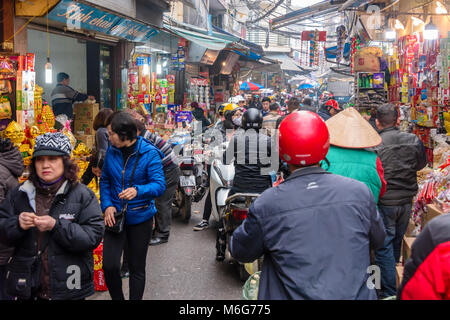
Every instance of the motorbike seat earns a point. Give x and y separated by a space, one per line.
239 200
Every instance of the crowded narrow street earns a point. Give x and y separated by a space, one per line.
215 153
185 268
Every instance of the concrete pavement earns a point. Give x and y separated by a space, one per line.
185 268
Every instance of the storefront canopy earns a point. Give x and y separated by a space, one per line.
200 38
287 63
251 50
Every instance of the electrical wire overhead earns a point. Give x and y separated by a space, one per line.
264 15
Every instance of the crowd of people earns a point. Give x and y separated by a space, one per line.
344 204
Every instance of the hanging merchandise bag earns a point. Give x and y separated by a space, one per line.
5 108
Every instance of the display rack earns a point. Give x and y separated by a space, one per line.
368 94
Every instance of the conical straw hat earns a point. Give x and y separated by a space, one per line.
348 129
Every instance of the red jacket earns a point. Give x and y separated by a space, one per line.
427 272
380 171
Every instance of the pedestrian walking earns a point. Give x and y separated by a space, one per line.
11 168
265 106
315 228
307 105
351 136
54 223
172 172
270 120
132 177
293 105
102 144
402 155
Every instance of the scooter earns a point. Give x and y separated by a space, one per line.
237 207
193 182
221 180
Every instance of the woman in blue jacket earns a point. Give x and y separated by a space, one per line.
118 192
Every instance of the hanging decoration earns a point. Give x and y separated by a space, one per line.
312 50
342 35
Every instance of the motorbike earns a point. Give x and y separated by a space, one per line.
221 180
237 207
193 182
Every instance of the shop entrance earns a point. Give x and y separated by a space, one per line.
88 63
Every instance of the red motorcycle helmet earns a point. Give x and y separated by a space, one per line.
304 138
333 103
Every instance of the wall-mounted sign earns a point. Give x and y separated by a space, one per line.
80 16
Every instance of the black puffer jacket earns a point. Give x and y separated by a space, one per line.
402 155
78 231
251 163
11 167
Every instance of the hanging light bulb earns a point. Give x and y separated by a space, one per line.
399 24
48 71
440 9
431 32
417 22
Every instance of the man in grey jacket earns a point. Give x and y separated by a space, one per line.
315 229
402 155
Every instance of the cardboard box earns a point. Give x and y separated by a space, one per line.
399 270
83 127
407 244
432 211
410 229
85 111
87 139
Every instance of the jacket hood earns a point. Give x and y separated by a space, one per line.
12 160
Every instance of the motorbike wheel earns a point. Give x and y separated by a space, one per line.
186 208
243 274
177 203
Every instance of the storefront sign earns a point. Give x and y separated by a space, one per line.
80 16
132 31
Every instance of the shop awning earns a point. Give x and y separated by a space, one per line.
203 39
287 63
255 51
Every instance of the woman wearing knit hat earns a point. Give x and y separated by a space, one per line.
350 137
54 223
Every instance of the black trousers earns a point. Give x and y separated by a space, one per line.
208 204
138 238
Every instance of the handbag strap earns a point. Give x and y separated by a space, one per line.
131 178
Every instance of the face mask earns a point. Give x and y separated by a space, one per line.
237 121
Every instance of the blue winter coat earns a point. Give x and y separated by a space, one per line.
314 230
148 179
